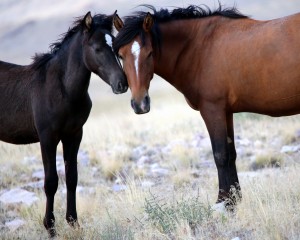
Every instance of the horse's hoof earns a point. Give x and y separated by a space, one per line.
52 233
74 224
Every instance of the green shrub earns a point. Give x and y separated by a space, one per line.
165 217
116 231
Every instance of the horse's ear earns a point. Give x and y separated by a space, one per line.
118 23
88 20
148 22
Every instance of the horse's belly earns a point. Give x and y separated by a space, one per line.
22 139
18 133
283 106
19 137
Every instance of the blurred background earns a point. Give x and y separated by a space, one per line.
27 27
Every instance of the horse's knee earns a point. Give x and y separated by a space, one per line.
51 185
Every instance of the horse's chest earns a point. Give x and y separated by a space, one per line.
192 103
76 117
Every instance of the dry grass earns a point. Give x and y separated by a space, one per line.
270 206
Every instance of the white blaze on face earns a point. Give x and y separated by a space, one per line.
135 50
108 39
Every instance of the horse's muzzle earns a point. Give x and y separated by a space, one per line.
120 88
142 107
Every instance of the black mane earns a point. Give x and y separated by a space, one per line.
133 25
99 20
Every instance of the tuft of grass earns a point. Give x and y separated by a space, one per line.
112 163
180 178
166 217
267 160
116 231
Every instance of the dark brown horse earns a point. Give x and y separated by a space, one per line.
48 102
221 61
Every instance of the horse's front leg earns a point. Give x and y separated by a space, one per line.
237 195
48 149
221 135
70 147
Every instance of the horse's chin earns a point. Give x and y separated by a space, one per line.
117 91
143 112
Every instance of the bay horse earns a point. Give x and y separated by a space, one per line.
48 101
222 61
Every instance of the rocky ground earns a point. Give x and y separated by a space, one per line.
149 160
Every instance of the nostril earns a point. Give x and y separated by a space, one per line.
120 86
147 100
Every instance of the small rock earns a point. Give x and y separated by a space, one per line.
119 187
14 224
138 152
34 185
38 175
143 160
289 149
160 171
18 196
147 184
244 142
219 207
83 158
60 169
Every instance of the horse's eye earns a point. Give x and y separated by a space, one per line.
97 50
150 54
120 57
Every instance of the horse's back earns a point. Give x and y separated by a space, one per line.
262 68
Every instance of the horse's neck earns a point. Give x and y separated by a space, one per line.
180 38
76 77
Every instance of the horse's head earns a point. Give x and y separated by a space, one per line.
98 53
137 55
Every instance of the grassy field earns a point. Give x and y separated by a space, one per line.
175 205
